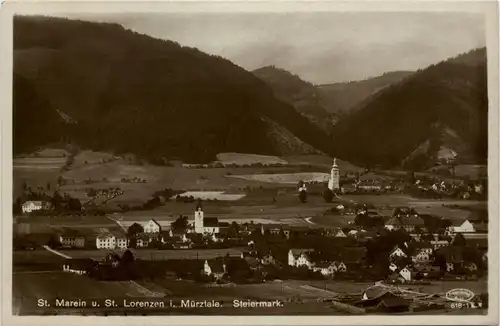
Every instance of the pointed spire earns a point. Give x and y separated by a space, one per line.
335 162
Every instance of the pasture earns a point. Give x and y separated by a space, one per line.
211 195
285 178
247 159
155 254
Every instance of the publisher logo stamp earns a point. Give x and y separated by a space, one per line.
460 295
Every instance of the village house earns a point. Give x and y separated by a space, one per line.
338 233
405 273
111 240
215 268
453 257
412 223
397 252
393 224
438 244
142 241
461 227
70 238
300 257
421 251
340 267
152 227
174 235
106 241
34 205
325 268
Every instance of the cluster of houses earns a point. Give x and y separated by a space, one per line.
30 206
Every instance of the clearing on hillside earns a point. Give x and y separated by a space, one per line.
247 159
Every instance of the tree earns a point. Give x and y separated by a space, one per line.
57 199
303 196
180 224
328 195
128 257
459 240
74 204
135 229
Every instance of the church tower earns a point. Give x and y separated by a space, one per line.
334 182
198 219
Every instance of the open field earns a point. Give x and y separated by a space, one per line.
288 178
155 254
242 159
211 195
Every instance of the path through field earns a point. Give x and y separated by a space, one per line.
55 252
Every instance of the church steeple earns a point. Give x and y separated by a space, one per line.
334 181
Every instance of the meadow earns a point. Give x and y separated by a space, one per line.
155 254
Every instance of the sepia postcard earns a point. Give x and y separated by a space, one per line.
234 163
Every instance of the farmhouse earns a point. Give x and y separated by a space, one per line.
325 268
109 240
71 238
438 244
397 252
299 257
34 205
461 227
393 224
152 227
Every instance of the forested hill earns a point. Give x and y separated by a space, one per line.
442 107
343 97
129 92
302 95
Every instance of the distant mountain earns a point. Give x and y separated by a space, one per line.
127 92
342 97
438 112
302 95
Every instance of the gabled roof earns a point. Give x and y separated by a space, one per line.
393 221
412 220
297 252
455 222
155 222
375 292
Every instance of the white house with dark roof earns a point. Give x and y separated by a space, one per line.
152 227
34 205
300 257
461 227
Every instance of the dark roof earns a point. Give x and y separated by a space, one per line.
223 224
412 220
477 243
297 252
375 292
323 264
393 221
210 222
481 227
270 226
67 232
216 265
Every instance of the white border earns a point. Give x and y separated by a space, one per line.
489 9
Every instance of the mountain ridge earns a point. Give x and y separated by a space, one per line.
125 89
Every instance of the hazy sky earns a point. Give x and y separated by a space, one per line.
319 47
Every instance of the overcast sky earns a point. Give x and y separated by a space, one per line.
319 47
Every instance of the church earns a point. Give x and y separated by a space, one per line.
205 224
334 181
